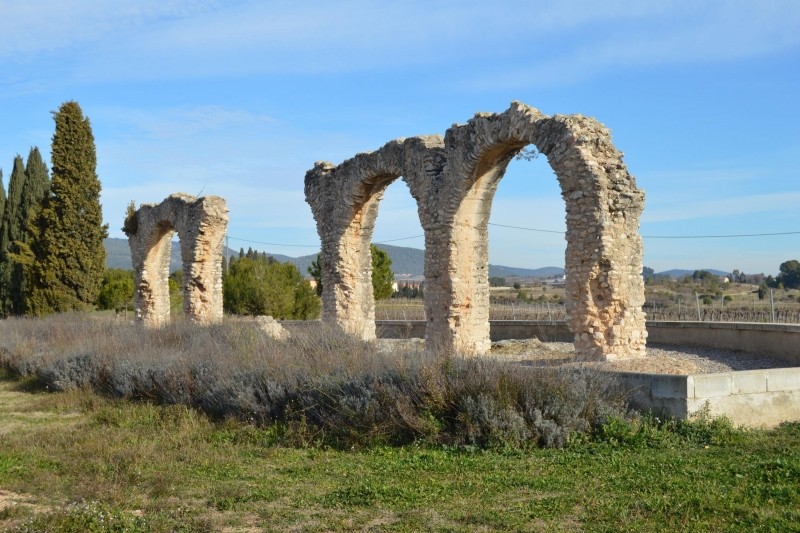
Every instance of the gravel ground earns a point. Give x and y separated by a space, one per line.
660 359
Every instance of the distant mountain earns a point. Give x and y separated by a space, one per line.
118 254
544 272
410 261
679 273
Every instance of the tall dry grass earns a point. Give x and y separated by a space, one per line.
318 386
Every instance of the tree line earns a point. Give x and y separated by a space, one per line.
52 257
788 277
254 283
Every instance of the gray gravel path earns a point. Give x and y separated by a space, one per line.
660 359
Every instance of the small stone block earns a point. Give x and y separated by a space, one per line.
671 387
749 382
713 385
783 379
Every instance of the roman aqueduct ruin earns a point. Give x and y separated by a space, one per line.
453 181
201 224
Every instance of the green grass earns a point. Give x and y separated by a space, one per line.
79 462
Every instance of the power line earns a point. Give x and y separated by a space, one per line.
526 229
730 236
720 236
316 245
669 236
276 243
400 239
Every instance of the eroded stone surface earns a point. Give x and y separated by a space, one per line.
453 181
201 224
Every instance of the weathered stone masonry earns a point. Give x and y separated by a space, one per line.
201 224
453 181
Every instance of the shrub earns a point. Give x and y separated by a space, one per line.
318 386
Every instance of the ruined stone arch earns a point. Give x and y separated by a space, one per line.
454 184
344 200
200 224
605 290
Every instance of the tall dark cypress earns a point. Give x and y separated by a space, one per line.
2 224
70 257
2 201
34 192
10 233
37 185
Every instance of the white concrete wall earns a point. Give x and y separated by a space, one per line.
777 340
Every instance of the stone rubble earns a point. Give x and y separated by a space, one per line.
271 327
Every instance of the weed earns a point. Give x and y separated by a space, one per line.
84 517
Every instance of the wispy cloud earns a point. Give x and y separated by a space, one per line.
47 26
250 159
677 33
182 122
133 40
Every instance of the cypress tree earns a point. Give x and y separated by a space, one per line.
37 185
382 275
2 225
70 257
11 232
2 200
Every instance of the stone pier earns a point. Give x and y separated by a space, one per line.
201 224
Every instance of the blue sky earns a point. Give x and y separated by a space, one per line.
240 98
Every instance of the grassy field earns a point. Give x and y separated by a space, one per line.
75 461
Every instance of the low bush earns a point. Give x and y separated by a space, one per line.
319 385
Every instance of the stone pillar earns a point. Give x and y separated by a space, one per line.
344 200
201 224
605 288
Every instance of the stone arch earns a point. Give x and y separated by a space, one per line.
605 290
344 200
454 183
201 224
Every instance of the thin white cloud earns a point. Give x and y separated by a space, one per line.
183 121
686 33
46 26
87 41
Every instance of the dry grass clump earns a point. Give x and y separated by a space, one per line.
320 386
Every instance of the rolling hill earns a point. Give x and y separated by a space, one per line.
680 272
409 261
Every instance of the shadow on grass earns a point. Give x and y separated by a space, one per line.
30 384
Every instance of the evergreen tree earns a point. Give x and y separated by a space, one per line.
70 257
2 228
116 291
790 274
37 185
11 233
2 200
382 275
315 271
263 286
